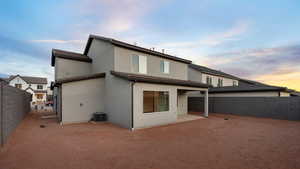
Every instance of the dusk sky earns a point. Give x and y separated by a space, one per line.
254 39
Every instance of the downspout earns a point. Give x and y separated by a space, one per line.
132 84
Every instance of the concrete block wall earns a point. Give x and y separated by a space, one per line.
14 105
285 108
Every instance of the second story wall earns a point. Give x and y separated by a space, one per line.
194 75
123 63
102 54
65 68
226 81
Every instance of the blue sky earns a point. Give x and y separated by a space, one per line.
253 39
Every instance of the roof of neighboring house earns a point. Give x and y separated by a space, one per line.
210 71
132 47
79 78
159 80
30 79
68 55
250 88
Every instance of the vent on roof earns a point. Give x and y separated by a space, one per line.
163 51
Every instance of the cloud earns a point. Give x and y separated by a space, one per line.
113 17
254 63
212 40
9 44
57 41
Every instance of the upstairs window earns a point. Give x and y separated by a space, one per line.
39 86
18 86
139 64
208 80
234 83
220 82
164 66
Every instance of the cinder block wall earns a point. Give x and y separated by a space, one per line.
285 108
14 105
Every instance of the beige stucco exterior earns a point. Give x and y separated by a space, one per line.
123 58
226 81
142 120
81 99
65 68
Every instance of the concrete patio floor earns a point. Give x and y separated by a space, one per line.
214 143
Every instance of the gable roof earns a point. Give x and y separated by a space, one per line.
132 47
159 80
210 71
30 79
68 55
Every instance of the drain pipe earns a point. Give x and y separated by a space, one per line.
132 104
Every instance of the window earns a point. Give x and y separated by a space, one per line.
18 86
164 66
39 86
220 82
234 83
156 101
139 64
208 80
39 96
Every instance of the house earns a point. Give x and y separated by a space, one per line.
136 87
226 85
37 86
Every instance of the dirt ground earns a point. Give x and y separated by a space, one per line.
213 143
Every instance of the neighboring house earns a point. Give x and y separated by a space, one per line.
210 76
136 87
37 86
226 85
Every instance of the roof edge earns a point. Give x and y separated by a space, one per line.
79 78
132 47
56 55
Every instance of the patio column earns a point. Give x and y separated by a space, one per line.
206 104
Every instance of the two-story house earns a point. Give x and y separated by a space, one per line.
37 86
136 87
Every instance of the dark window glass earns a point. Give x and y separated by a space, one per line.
155 101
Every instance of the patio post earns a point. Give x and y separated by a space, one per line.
206 104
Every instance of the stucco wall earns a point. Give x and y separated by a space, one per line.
182 103
123 57
194 75
156 118
226 81
102 54
65 68
81 99
118 102
284 94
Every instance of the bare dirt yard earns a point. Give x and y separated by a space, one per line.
213 143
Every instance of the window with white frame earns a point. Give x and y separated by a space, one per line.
164 66
39 86
208 80
155 101
139 64
234 83
220 82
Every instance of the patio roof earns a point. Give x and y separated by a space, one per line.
158 80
